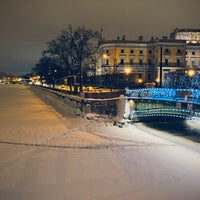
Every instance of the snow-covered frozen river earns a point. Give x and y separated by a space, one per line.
46 154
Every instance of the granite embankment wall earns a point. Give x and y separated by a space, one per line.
110 105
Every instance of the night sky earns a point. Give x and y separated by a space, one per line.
26 25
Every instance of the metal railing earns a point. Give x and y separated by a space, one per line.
167 113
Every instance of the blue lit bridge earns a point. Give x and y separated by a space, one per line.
162 104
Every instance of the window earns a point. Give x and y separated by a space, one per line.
121 61
150 51
178 51
140 61
131 61
139 75
166 61
122 50
107 51
107 61
131 51
193 61
186 60
193 53
141 51
166 50
149 61
149 77
178 61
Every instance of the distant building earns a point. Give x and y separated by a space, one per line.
192 38
189 35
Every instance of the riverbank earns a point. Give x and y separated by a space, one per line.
46 154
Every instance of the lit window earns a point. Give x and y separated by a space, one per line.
193 60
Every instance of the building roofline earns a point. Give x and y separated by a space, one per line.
153 41
188 30
122 42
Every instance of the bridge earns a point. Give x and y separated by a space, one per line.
162 104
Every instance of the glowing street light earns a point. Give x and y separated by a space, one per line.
191 73
104 56
127 70
140 80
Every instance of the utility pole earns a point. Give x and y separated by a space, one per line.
161 66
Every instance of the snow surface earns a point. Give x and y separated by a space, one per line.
47 152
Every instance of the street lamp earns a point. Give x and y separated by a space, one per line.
190 73
104 56
161 66
127 71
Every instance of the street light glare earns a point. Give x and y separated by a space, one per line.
104 56
191 73
127 70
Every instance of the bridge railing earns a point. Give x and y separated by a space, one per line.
185 95
167 112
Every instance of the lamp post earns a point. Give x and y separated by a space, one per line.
190 73
127 71
161 66
104 56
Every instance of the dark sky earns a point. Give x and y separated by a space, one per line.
26 25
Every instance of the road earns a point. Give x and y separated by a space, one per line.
47 155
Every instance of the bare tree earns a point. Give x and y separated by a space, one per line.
71 48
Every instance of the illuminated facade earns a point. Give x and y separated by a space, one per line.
189 35
170 57
135 59
140 60
193 56
192 38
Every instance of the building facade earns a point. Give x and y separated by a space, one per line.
170 57
141 61
134 59
192 39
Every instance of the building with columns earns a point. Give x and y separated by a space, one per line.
140 61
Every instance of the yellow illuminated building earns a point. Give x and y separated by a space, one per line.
142 58
134 59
